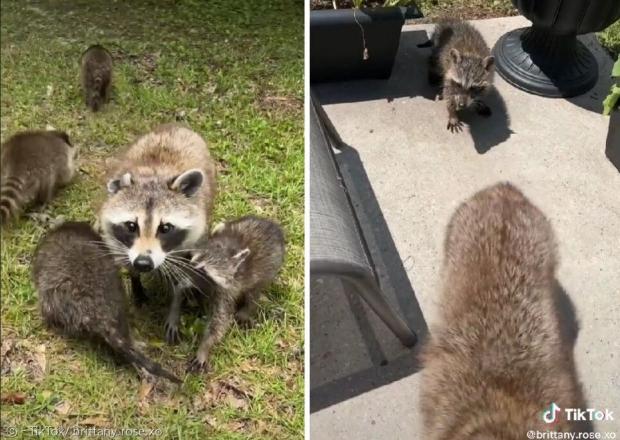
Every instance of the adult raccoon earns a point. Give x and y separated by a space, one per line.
497 359
160 200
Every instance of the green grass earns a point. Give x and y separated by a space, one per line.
233 71
480 9
466 9
610 39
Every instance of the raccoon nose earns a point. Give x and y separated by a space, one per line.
143 263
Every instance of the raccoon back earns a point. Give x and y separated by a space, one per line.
165 153
496 359
458 35
498 274
80 290
81 293
34 165
96 75
265 240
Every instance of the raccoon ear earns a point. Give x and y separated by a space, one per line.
240 257
455 55
488 62
188 183
115 185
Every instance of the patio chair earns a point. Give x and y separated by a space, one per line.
337 246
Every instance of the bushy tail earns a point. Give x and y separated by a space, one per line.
95 94
138 359
11 199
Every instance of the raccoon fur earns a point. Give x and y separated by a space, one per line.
34 165
161 193
496 360
462 62
96 76
241 258
81 293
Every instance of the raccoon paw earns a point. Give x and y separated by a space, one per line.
244 320
454 125
172 333
196 365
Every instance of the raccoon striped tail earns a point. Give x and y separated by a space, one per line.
138 359
11 201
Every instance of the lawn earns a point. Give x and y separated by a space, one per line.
232 71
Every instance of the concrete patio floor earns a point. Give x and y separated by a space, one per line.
408 174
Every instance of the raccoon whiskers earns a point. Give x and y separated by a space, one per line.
183 264
165 273
179 276
183 251
110 249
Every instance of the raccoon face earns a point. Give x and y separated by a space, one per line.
147 222
221 260
468 78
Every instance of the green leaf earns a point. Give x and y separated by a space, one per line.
612 99
396 2
615 72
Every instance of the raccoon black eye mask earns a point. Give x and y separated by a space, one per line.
170 237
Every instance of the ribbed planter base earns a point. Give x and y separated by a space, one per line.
544 64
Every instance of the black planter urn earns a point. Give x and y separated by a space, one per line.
547 59
338 38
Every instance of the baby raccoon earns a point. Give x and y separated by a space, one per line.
81 293
497 358
34 164
462 62
96 76
241 258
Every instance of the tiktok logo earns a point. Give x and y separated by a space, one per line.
549 415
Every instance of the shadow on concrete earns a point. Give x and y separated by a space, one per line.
569 331
409 77
567 316
366 366
388 261
363 381
487 132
